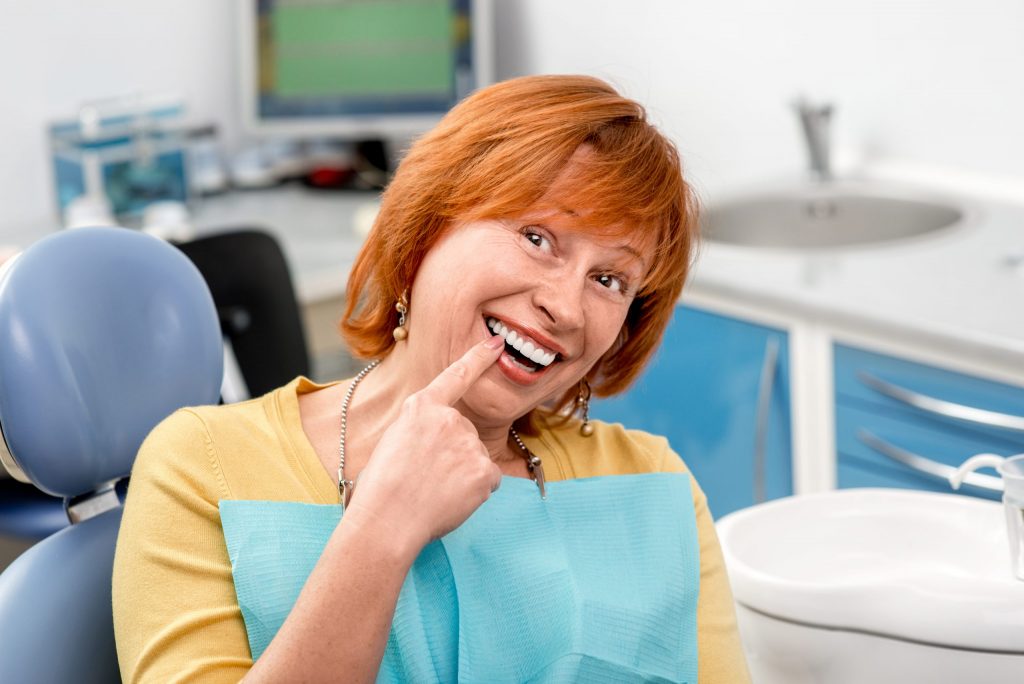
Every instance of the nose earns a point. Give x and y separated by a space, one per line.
560 300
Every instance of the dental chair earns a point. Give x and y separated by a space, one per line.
103 333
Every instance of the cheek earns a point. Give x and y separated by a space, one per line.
604 327
463 274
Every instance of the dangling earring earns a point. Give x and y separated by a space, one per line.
583 401
402 307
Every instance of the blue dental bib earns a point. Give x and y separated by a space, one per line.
598 583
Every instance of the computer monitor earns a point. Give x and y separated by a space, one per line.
359 69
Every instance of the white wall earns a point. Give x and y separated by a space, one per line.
936 82
54 54
939 82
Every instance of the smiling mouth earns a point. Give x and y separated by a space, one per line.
523 351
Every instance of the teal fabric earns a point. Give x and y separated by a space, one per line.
598 583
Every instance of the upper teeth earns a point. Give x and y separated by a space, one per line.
521 343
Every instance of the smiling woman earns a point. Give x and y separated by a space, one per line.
530 250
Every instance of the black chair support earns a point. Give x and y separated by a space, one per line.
252 289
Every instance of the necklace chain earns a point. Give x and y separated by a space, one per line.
345 487
533 463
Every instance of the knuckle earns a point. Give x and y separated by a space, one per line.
482 472
450 418
458 370
412 402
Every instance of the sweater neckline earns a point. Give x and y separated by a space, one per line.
286 409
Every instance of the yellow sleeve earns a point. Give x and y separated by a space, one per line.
720 654
176 617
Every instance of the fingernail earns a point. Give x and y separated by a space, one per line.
495 342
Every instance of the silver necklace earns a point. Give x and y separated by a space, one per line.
345 487
533 463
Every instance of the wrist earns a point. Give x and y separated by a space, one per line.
399 542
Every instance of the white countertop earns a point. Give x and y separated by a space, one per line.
317 230
960 286
964 285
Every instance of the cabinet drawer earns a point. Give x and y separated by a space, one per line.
703 391
936 396
860 462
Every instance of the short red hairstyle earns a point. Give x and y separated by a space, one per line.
496 155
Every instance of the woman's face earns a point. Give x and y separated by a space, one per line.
539 281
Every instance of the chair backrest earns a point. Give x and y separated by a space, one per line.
249 279
103 333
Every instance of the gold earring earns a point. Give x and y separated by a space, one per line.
583 402
402 307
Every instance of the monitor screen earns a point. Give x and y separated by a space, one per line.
352 68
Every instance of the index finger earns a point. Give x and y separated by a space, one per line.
449 386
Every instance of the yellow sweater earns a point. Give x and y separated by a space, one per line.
176 617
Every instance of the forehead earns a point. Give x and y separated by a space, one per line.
585 198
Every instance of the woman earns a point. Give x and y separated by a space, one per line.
529 250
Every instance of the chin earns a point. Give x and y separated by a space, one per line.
491 402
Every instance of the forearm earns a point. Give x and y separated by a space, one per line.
338 628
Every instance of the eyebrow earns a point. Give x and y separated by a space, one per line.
632 251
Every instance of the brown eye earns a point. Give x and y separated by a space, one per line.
537 239
612 282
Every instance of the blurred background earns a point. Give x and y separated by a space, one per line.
924 82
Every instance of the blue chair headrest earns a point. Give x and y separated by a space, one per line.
103 333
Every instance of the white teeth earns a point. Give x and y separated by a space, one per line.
522 344
528 369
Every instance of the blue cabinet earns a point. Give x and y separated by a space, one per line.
900 423
718 389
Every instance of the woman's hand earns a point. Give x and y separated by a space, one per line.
430 470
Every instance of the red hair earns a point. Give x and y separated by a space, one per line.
496 155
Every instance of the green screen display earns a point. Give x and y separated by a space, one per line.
362 48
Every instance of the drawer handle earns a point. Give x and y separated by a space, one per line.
946 409
765 387
926 466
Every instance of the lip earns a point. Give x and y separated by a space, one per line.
548 343
510 370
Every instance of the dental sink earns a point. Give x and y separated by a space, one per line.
879 585
827 215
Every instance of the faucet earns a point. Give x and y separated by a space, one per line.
814 120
